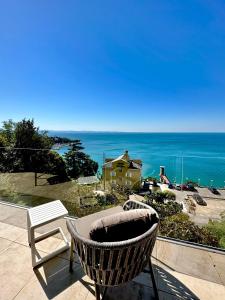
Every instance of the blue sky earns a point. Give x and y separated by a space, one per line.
114 65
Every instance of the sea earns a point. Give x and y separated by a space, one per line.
199 157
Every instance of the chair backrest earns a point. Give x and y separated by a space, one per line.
114 263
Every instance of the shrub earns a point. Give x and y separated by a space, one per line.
111 198
161 197
218 229
107 199
169 195
154 179
166 209
180 227
101 200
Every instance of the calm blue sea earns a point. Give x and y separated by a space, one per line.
188 156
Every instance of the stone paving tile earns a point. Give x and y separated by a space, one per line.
166 282
10 232
32 291
203 289
15 270
4 244
47 245
132 290
53 280
18 218
13 215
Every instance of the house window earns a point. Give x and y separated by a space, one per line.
129 174
112 173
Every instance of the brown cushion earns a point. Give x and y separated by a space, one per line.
83 225
122 226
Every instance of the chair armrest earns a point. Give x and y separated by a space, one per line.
134 204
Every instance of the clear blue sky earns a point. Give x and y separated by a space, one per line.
154 65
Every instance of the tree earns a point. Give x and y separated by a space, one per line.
7 140
7 132
78 163
23 148
49 162
30 143
26 149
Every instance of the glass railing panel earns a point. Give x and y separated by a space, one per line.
35 176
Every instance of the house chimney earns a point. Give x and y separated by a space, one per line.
162 171
126 156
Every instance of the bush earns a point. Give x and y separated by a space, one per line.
180 227
107 199
161 197
111 198
218 229
169 195
153 179
167 209
122 189
101 199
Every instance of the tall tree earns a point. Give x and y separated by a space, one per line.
27 149
31 142
7 141
78 163
7 132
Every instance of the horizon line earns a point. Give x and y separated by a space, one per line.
117 131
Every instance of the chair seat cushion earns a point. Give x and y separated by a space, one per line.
122 226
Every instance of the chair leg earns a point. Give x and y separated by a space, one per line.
153 280
71 254
97 291
104 292
32 247
28 229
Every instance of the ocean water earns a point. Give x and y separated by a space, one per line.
186 156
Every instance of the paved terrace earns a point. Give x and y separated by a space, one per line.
181 272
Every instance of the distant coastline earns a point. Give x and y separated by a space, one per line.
150 132
203 154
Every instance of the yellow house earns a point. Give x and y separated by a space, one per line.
122 171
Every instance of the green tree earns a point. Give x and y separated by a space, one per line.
78 163
49 162
7 132
30 143
27 149
7 140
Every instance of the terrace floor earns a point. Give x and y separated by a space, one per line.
182 272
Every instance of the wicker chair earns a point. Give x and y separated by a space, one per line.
113 263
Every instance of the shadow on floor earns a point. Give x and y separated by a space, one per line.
55 278
169 288
171 285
